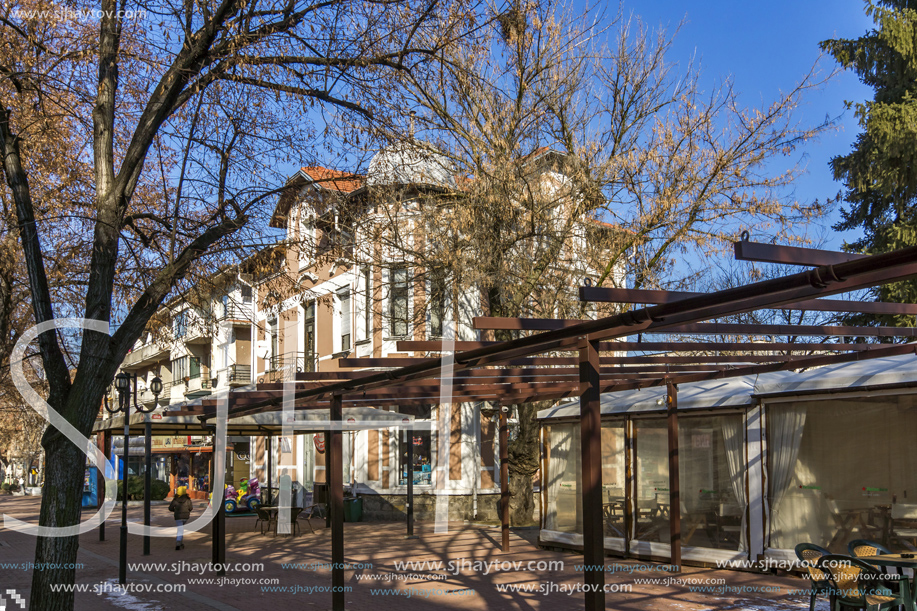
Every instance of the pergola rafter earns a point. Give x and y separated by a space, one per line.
527 369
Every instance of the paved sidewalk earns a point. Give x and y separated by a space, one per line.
263 576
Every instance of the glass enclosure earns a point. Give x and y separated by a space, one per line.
842 469
711 462
614 472
712 479
564 474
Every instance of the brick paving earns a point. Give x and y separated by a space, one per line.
380 544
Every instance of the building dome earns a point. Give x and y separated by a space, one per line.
406 163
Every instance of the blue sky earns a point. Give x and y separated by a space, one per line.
766 47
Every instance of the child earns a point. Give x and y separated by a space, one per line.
181 507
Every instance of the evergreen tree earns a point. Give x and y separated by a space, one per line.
880 173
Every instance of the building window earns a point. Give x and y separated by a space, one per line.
437 302
367 303
421 470
180 324
246 293
180 368
273 359
186 367
309 336
399 301
344 296
309 329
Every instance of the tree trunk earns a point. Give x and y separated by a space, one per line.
523 464
60 506
521 500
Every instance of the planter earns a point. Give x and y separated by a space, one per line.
33 490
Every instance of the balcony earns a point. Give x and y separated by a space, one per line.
149 399
146 355
235 313
233 376
293 362
197 386
197 332
239 375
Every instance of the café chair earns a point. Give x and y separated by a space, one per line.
264 517
904 523
810 554
857 584
859 548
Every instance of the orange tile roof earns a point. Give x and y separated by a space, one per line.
334 180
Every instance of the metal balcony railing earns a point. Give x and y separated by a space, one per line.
148 398
235 311
239 374
196 383
298 362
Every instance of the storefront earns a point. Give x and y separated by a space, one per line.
177 460
765 462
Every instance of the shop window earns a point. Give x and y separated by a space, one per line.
421 470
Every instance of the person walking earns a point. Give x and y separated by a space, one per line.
181 507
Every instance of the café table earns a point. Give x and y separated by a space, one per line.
905 584
272 512
613 513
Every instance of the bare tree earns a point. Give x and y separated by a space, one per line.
169 123
547 156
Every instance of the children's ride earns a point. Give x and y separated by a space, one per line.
247 498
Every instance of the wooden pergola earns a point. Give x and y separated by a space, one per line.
533 368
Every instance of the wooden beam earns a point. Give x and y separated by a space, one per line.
644 296
591 450
790 255
706 328
615 346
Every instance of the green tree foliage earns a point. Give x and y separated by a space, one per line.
880 172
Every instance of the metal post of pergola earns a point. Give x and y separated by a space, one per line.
591 449
147 481
329 467
409 504
270 469
504 482
674 474
336 479
105 438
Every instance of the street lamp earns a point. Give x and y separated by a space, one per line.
123 386
156 386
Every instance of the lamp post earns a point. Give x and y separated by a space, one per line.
123 386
